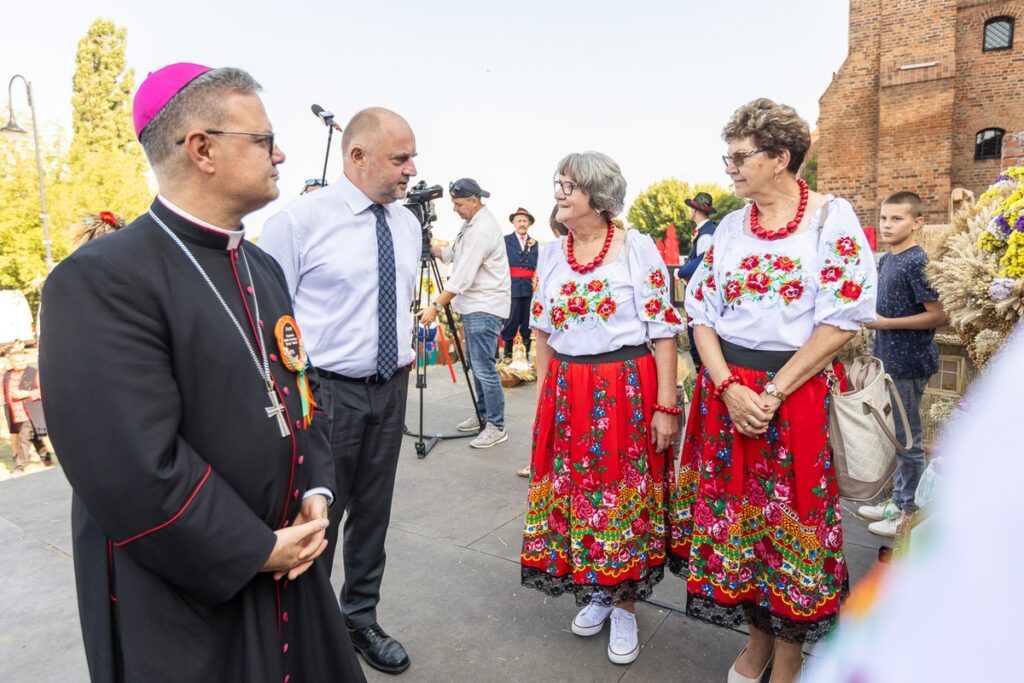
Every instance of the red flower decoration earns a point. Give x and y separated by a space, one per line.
733 289
606 307
831 274
847 246
784 263
699 294
758 282
671 316
709 256
653 307
850 290
569 287
710 283
750 263
791 291
577 305
108 218
656 279
595 286
558 316
537 309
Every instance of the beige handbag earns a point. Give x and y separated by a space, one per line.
860 429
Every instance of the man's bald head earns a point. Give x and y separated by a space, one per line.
368 125
378 148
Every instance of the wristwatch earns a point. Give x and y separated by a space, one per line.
438 307
773 390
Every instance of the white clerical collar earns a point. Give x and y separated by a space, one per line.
235 237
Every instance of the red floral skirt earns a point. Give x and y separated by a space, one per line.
596 522
756 527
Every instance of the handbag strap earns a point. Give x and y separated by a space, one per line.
884 426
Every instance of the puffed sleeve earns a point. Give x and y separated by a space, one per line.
650 287
539 315
704 302
848 281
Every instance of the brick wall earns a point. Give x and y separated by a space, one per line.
1013 150
989 89
903 110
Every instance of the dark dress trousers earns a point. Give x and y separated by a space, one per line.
686 272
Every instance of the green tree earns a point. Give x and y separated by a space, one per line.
662 204
22 254
106 163
810 174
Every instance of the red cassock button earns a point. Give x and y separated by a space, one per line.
285 391
284 617
249 289
261 324
287 677
295 494
273 357
298 424
285 648
301 458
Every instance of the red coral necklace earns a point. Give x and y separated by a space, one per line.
759 230
597 259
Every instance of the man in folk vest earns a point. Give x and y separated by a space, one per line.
701 210
522 260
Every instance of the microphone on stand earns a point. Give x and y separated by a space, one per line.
325 116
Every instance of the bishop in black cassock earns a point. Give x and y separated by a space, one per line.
183 482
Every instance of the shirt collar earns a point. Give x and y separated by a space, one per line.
234 237
701 224
354 197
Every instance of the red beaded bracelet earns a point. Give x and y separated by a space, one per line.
726 383
669 410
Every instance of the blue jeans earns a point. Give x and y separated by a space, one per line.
481 345
909 465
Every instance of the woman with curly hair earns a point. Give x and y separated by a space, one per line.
596 523
788 280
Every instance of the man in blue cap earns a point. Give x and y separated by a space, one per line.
481 286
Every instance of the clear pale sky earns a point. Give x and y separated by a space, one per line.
495 91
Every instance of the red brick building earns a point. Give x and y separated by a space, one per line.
929 92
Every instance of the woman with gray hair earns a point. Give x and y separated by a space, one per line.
787 281
596 524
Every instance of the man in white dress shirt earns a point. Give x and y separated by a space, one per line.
350 254
481 288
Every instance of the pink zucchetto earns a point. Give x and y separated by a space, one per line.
158 89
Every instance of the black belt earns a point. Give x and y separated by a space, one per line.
370 379
616 356
753 359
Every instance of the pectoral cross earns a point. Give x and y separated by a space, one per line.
277 410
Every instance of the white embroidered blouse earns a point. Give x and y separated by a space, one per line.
620 303
771 294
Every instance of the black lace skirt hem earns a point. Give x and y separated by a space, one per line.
626 591
750 614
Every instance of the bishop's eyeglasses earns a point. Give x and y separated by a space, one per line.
269 137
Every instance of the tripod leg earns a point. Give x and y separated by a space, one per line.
450 319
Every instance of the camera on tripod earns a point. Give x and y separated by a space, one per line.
420 200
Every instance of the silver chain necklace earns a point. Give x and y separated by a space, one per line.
275 410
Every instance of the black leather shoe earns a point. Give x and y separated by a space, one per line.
380 650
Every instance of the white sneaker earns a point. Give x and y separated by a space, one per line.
490 436
591 619
471 424
886 527
623 641
883 510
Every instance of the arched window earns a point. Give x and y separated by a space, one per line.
988 143
998 34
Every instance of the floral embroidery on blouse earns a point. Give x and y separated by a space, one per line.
656 305
841 273
761 277
576 300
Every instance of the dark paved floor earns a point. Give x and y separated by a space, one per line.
451 591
